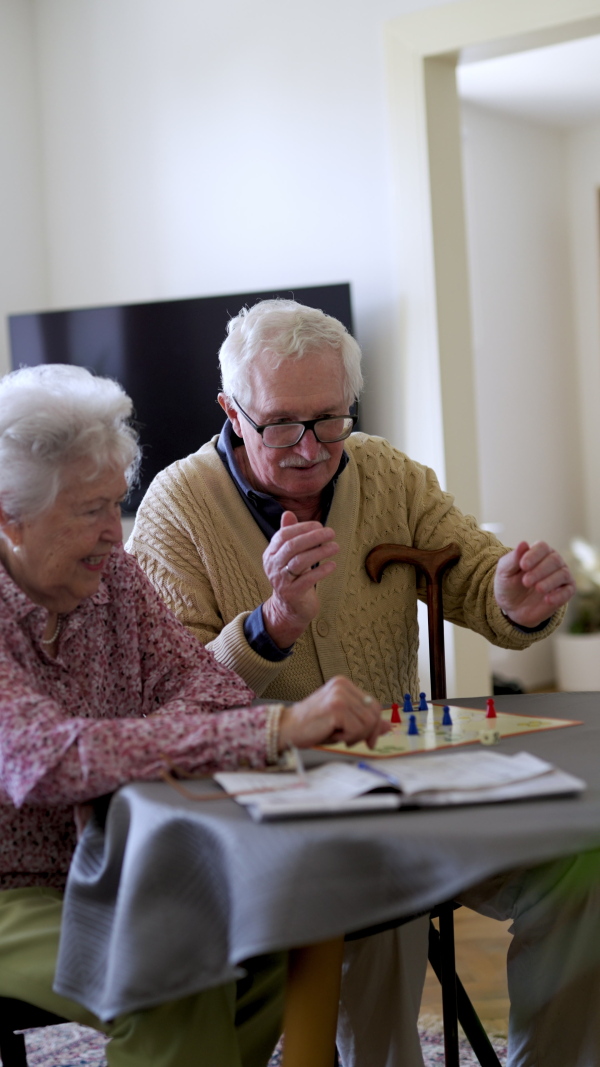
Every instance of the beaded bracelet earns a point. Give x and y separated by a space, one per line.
272 732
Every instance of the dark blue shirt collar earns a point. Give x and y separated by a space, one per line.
265 510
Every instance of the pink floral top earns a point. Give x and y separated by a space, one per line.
75 727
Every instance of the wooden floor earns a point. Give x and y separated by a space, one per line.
481 947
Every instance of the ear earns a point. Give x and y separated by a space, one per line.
10 529
232 413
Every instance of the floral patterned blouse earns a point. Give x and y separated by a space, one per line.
129 686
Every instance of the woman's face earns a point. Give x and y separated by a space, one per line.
58 557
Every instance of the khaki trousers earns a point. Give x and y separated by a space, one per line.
233 1025
553 971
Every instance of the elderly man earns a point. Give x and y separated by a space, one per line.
258 543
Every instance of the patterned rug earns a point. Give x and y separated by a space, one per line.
76 1046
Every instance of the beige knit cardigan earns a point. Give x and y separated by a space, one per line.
201 548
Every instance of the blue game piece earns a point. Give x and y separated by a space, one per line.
446 718
413 729
408 704
423 702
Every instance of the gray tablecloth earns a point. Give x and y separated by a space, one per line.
174 894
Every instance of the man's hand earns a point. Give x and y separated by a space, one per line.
338 711
531 583
289 561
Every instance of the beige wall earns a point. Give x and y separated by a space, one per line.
523 325
584 185
434 290
23 276
529 439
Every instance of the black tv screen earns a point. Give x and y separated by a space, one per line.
164 354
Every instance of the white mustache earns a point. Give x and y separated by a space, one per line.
299 461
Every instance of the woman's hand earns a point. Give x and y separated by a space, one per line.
338 711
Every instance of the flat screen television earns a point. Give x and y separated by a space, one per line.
164 354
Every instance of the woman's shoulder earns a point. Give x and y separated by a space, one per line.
122 577
128 593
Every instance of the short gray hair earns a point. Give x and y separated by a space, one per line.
53 415
284 329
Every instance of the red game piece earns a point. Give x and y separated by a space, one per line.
395 714
491 708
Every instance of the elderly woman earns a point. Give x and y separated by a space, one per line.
99 683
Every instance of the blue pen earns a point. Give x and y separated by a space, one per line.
362 766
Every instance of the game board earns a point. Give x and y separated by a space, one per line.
465 730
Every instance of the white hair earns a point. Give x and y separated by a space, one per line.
280 330
51 416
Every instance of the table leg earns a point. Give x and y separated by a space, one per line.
311 1004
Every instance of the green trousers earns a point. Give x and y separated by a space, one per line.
233 1025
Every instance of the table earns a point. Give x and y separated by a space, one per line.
172 894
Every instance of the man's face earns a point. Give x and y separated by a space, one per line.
297 390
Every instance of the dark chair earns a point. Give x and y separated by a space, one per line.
456 1006
19 1015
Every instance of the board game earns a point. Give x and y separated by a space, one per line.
467 727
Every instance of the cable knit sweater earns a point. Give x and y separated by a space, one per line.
202 550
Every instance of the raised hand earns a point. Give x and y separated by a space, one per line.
338 711
297 558
531 582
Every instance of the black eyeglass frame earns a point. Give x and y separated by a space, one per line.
308 424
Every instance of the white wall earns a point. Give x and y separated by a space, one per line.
203 148
584 184
22 244
525 352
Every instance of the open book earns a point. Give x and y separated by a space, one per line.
341 788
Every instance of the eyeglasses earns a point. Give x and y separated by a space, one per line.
327 430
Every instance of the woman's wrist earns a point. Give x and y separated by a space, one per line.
286 724
273 744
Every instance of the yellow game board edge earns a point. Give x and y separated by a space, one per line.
549 724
